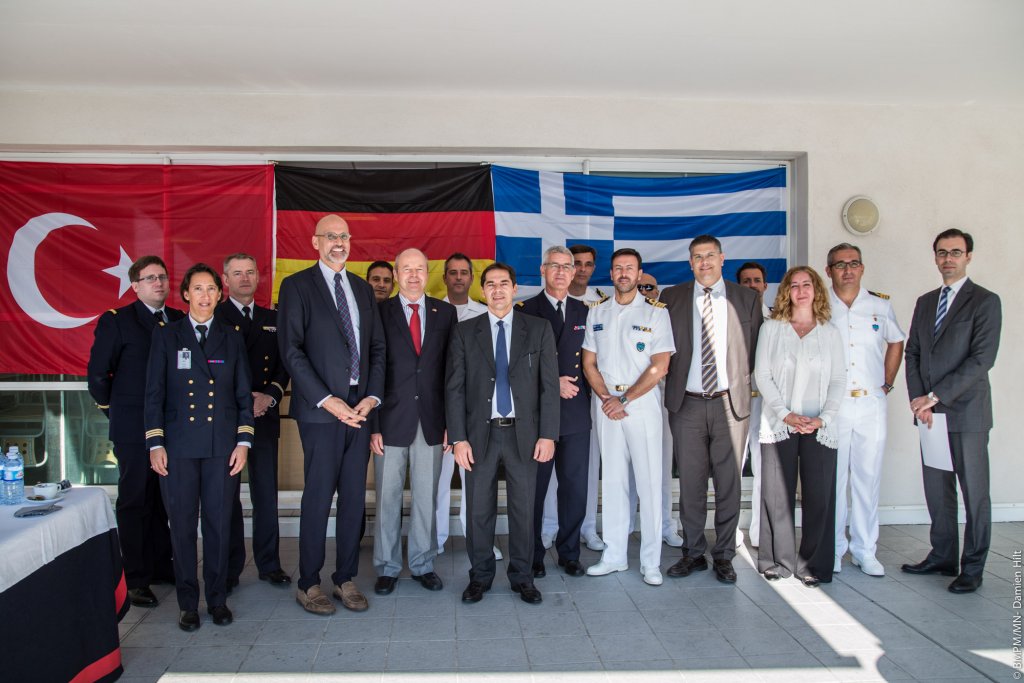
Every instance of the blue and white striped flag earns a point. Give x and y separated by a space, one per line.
656 216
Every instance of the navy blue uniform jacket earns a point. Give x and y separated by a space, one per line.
117 367
575 411
204 410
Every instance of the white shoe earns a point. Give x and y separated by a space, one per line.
869 565
497 554
652 576
602 568
595 543
673 539
546 540
739 538
838 566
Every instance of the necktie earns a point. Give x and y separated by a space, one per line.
414 328
503 391
202 336
940 315
559 321
246 313
709 371
159 315
346 326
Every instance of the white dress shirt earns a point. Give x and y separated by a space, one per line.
494 353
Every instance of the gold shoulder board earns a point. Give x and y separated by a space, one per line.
654 302
879 295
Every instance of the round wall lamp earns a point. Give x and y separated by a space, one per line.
860 215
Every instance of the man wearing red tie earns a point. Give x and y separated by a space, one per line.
409 427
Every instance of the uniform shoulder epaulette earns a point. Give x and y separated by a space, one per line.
654 302
161 323
604 297
520 304
113 311
594 304
879 295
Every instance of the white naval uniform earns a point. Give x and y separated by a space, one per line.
444 482
624 339
753 451
866 328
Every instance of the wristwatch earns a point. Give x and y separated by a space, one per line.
888 387
933 397
623 400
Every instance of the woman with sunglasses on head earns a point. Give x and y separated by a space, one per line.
199 427
801 373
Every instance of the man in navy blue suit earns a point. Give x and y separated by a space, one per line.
117 382
408 434
332 345
568 318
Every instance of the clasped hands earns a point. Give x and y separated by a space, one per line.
353 417
801 424
922 409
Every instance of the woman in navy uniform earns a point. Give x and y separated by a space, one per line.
199 427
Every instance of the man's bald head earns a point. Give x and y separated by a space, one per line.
333 240
411 272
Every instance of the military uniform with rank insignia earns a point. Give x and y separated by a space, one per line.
867 328
268 377
624 338
198 408
117 382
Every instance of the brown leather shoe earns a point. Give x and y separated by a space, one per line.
314 600
351 597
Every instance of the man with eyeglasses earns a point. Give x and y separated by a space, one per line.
332 344
873 342
954 337
117 372
568 318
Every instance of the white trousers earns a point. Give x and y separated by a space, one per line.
589 528
753 451
862 428
633 443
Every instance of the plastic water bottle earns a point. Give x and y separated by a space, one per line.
14 478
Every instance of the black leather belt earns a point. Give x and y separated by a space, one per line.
708 397
503 422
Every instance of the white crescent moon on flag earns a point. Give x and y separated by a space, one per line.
21 269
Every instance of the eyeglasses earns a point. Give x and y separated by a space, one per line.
955 253
564 267
647 288
150 279
843 265
334 236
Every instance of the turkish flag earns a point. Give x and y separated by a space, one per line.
69 232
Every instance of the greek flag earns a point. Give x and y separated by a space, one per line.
656 216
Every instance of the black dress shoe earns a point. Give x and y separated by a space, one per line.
474 592
232 584
573 567
965 584
276 577
384 585
724 571
430 581
927 566
528 593
688 565
188 620
810 581
771 574
142 597
221 615
539 572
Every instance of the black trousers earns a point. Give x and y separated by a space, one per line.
482 508
192 484
572 463
782 463
266 535
970 467
334 460
141 519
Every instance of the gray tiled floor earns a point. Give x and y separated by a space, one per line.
612 628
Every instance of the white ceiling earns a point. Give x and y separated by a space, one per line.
947 52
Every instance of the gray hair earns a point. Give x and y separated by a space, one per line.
842 246
556 249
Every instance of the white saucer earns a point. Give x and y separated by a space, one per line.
55 499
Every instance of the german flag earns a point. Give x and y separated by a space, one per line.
439 211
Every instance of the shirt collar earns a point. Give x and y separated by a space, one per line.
717 289
406 302
494 319
328 273
239 305
554 301
208 323
956 286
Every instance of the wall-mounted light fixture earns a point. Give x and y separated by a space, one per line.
860 215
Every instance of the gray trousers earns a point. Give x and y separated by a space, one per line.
708 440
423 463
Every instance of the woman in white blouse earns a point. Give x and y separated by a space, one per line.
801 374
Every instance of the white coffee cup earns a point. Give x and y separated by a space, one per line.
47 491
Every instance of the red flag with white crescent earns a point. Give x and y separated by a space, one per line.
69 232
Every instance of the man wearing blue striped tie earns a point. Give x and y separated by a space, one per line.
952 346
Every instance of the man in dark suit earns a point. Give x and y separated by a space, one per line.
502 405
332 345
707 394
954 337
568 318
117 382
258 325
408 434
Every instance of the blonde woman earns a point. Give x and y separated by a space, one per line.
801 375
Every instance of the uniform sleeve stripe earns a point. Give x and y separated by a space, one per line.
154 432
245 429
275 384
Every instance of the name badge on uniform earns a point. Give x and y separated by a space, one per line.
185 359
267 328
598 327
